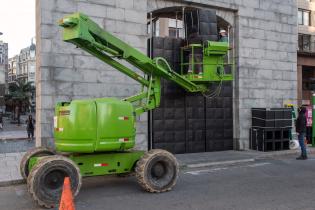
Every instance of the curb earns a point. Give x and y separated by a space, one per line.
253 159
12 182
207 164
12 139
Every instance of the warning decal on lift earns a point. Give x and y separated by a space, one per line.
123 139
123 118
100 164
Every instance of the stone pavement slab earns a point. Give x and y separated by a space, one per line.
205 157
17 134
231 157
15 145
9 168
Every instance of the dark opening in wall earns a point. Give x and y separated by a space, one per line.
188 122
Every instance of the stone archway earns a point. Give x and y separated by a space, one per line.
226 21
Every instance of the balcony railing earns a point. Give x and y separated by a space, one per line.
22 75
307 48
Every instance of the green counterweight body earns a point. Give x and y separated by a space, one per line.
87 126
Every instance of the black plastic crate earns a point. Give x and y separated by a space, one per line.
262 123
271 117
263 113
269 139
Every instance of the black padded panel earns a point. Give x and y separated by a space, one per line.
219 120
168 43
186 122
209 38
158 43
208 28
203 20
208 15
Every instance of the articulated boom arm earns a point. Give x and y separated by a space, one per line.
86 34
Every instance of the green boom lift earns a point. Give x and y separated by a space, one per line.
94 137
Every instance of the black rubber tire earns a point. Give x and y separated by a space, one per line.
157 171
35 152
45 181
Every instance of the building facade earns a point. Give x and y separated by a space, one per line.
22 66
265 43
306 51
13 68
27 64
3 62
3 72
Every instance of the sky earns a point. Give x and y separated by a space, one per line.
17 23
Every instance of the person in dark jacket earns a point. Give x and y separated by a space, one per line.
1 121
30 126
300 127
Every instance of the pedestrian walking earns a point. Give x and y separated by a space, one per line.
300 126
1 121
30 127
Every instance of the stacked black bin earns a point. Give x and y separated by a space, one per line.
186 122
168 48
271 129
205 21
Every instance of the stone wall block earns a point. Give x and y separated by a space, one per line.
92 10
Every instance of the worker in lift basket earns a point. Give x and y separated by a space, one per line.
223 36
300 126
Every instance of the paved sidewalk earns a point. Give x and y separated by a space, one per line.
17 134
204 159
10 174
13 131
15 145
10 171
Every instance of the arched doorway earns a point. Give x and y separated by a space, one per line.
185 122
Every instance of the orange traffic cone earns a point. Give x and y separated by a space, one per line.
66 201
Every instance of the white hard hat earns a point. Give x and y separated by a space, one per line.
222 31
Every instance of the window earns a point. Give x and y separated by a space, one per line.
304 42
304 17
308 78
175 32
175 28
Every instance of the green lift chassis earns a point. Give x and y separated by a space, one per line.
94 137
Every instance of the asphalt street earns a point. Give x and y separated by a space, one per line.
270 184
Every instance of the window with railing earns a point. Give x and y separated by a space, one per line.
305 43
